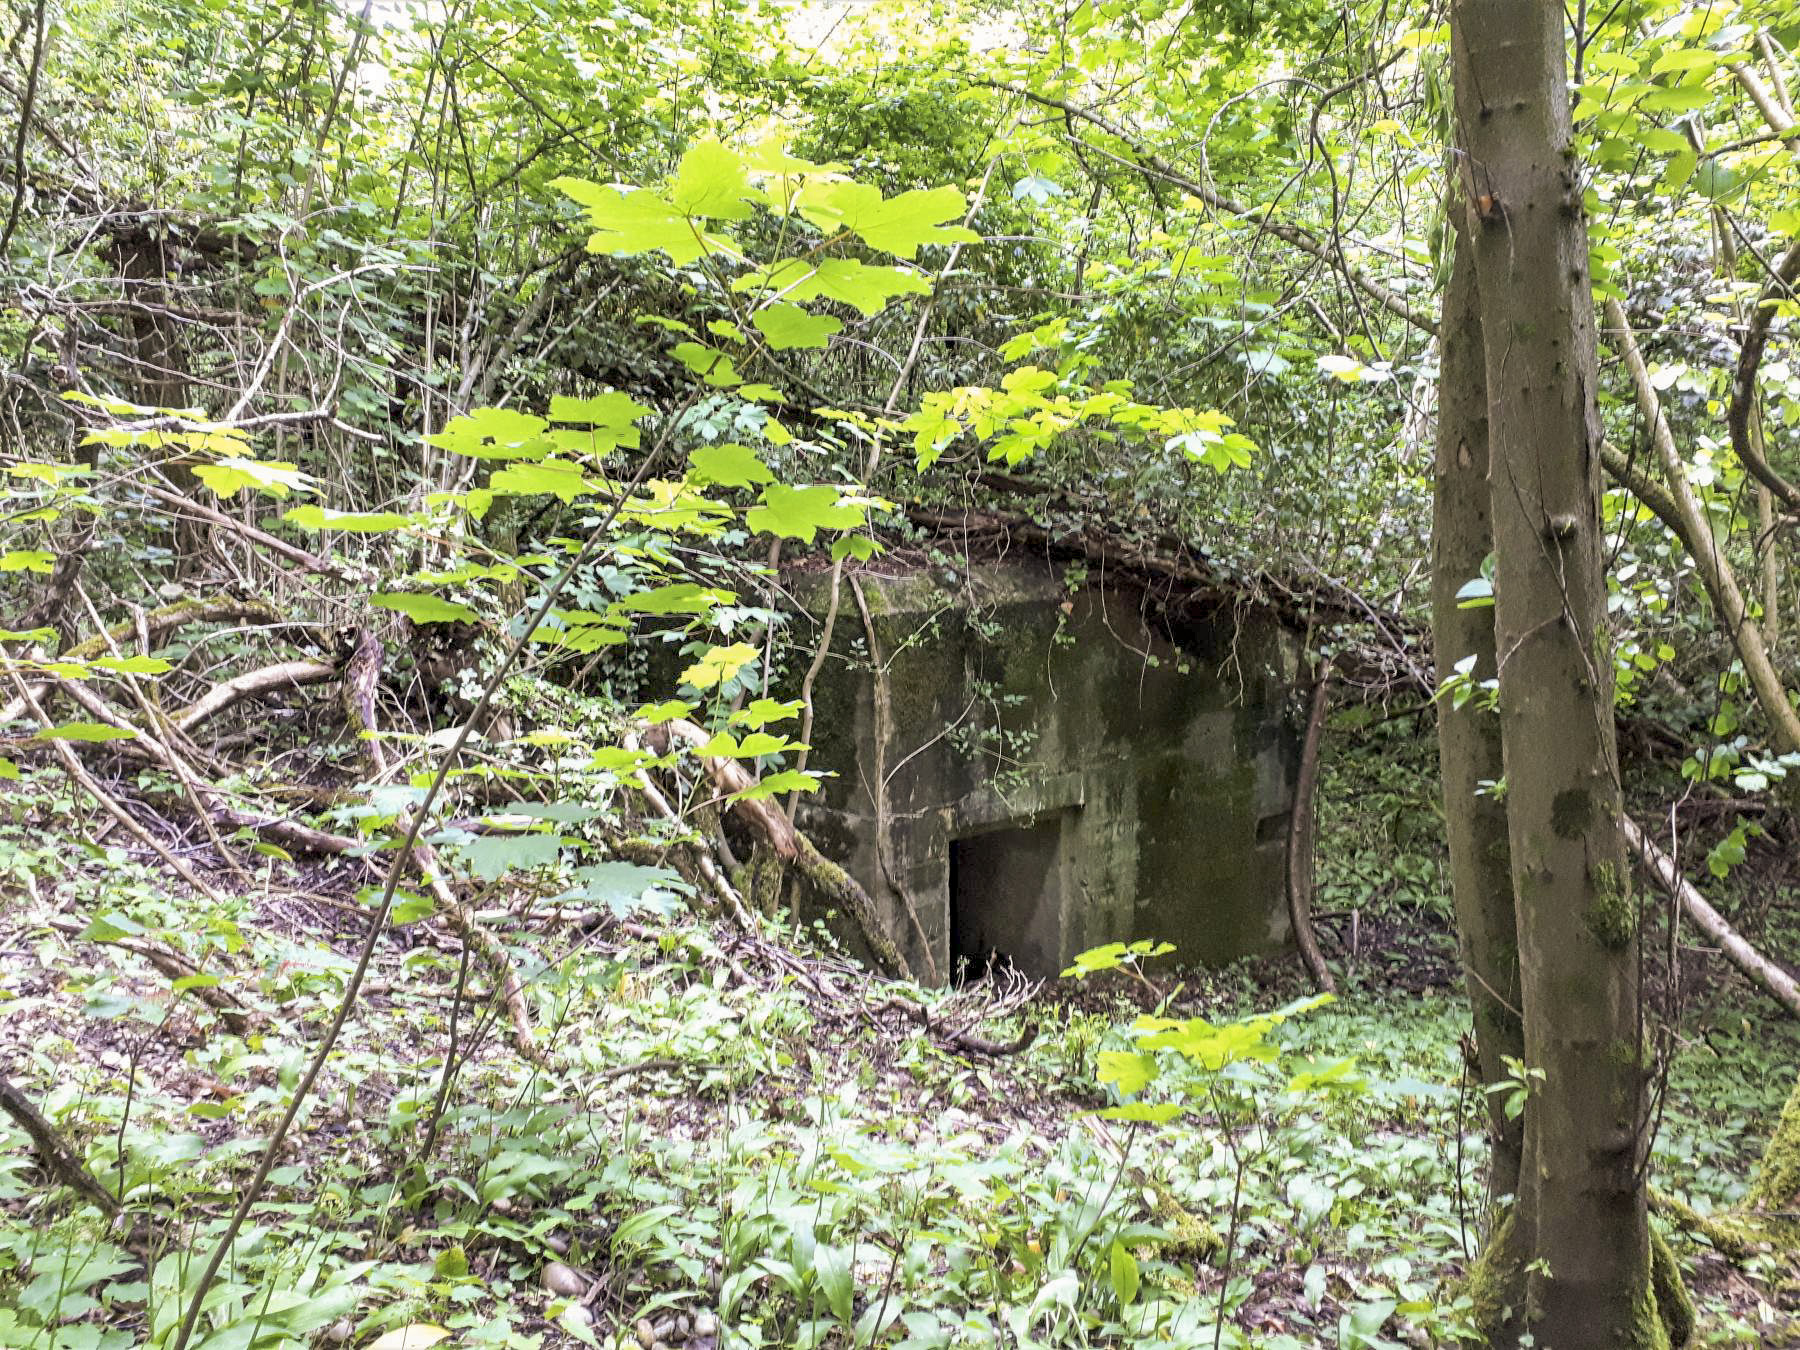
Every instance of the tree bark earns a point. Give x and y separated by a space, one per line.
1469 736
1577 1245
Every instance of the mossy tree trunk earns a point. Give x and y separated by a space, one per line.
1469 736
1572 1264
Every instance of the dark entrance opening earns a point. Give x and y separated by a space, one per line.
1006 900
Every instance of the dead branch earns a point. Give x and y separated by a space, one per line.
157 625
1739 952
236 1017
58 1158
766 820
71 763
362 673
252 684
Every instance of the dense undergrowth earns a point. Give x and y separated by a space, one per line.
740 1139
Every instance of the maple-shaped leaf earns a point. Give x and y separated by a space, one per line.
718 664
422 608
898 225
639 221
801 512
559 477
712 183
788 326
234 473
351 522
493 433
612 410
729 465
709 363
847 280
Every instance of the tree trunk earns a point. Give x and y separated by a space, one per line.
1469 736
1572 1266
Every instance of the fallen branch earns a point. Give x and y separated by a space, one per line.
1738 951
963 1039
251 684
58 1158
766 820
236 1017
362 673
72 765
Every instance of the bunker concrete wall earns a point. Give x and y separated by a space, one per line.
1144 784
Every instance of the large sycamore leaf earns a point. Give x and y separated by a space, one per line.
849 281
559 477
352 522
786 326
718 664
493 433
421 608
638 221
234 473
801 512
712 183
728 465
613 411
899 225
85 731
709 363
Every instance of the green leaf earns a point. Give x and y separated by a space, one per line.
1142 1113
1684 98
234 473
111 927
763 711
1661 141
848 280
857 546
494 433
351 522
625 887
787 326
718 664
682 597
132 665
85 731
613 410
9 772
711 364
559 478
832 1266
899 225
788 780
1126 1070
729 465
801 512
491 856
27 560
422 608
712 182
628 222
1122 1269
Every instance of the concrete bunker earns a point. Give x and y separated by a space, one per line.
1028 761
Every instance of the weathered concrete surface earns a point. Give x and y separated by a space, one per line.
1096 784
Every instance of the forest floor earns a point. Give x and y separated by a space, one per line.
736 1140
